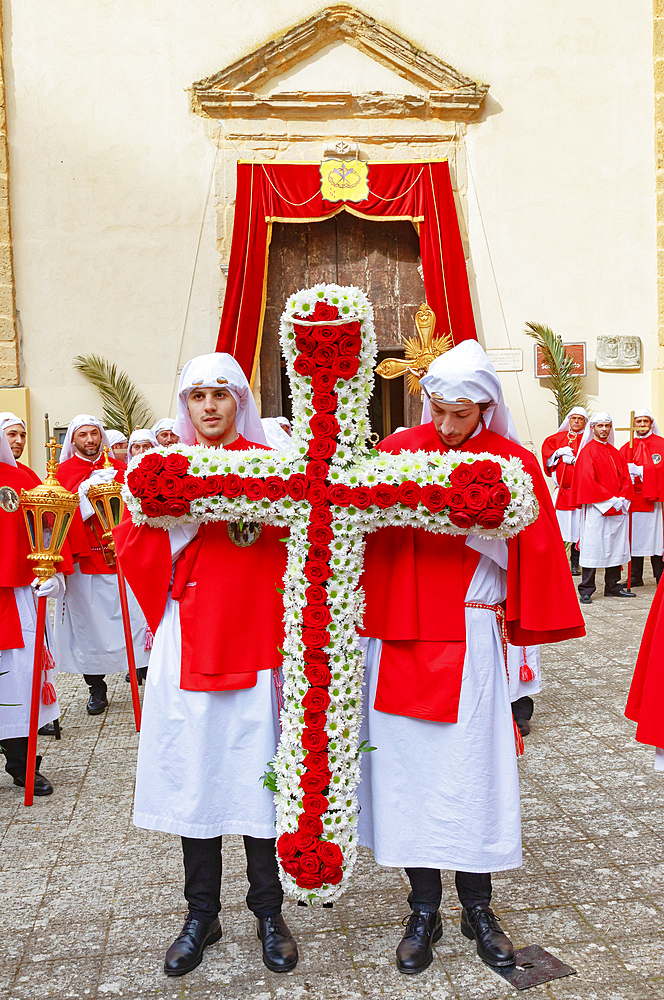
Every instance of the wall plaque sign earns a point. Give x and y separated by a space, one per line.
620 353
576 350
505 359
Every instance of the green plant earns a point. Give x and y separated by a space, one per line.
565 386
125 408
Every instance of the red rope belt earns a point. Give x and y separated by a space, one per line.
499 612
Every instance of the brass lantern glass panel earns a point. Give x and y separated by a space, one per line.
63 531
48 521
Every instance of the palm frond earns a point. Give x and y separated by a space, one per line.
565 386
125 408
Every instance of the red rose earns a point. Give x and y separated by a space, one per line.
463 475
275 488
153 508
315 656
488 473
462 519
320 534
317 469
317 699
232 485
171 486
310 863
361 497
323 447
323 380
408 494
317 572
317 616
316 492
491 518
330 853
327 335
321 515
151 486
315 638
193 487
304 365
324 311
135 481
456 499
345 367
310 824
304 330
314 739
176 507
253 489
350 346
152 462
351 328
383 495
319 553
314 720
314 803
307 881
324 402
303 841
296 486
331 876
315 594
291 867
499 496
325 355
434 498
214 486
305 344
176 464
477 497
314 781
339 495
324 425
286 847
317 673
317 762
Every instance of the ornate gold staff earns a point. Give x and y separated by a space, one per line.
419 351
48 511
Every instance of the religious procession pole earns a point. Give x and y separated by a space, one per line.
48 511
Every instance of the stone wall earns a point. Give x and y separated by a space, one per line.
9 351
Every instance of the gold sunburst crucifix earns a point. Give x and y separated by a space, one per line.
419 351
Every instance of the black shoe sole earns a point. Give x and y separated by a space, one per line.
37 791
96 711
437 935
468 933
212 939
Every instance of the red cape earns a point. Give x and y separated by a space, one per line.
599 474
648 452
83 541
564 472
646 695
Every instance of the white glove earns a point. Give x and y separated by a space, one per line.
53 587
566 452
605 505
569 459
626 504
635 471
98 476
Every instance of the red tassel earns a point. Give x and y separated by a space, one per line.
518 739
149 639
48 695
48 663
525 672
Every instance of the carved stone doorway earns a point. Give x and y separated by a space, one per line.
382 259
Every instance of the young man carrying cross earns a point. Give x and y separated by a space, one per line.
210 716
441 790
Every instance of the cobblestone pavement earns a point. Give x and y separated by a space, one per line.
89 903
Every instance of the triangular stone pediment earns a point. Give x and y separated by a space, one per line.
277 79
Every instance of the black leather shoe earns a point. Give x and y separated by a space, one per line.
42 785
585 599
480 924
415 950
619 593
47 730
186 952
279 947
97 703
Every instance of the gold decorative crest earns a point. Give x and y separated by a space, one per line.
344 180
9 499
419 351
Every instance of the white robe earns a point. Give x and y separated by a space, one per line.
443 795
568 521
515 657
202 755
648 532
604 541
88 633
16 684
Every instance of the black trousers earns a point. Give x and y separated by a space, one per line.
657 564
427 888
15 749
523 708
611 580
96 681
202 877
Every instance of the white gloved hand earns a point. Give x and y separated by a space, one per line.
606 505
635 471
566 452
98 476
569 459
53 587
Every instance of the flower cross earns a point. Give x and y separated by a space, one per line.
330 489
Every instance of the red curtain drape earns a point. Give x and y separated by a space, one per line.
290 192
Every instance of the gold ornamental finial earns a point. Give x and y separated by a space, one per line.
107 461
48 510
419 351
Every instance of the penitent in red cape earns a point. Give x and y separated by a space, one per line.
600 473
648 452
231 613
83 540
564 472
645 704
415 585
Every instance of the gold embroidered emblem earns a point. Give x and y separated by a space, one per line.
344 180
243 533
656 459
9 500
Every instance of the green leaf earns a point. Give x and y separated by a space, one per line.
279 590
565 386
364 747
124 407
270 778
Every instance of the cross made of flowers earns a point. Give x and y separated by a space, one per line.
330 489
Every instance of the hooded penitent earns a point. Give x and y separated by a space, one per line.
210 371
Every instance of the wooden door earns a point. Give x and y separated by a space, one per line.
382 259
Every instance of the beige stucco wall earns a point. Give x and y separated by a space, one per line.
110 170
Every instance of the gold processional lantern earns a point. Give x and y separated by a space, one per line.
106 499
48 510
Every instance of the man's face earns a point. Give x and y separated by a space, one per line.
642 425
212 413
87 440
120 451
454 422
577 422
138 447
166 437
16 436
601 430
